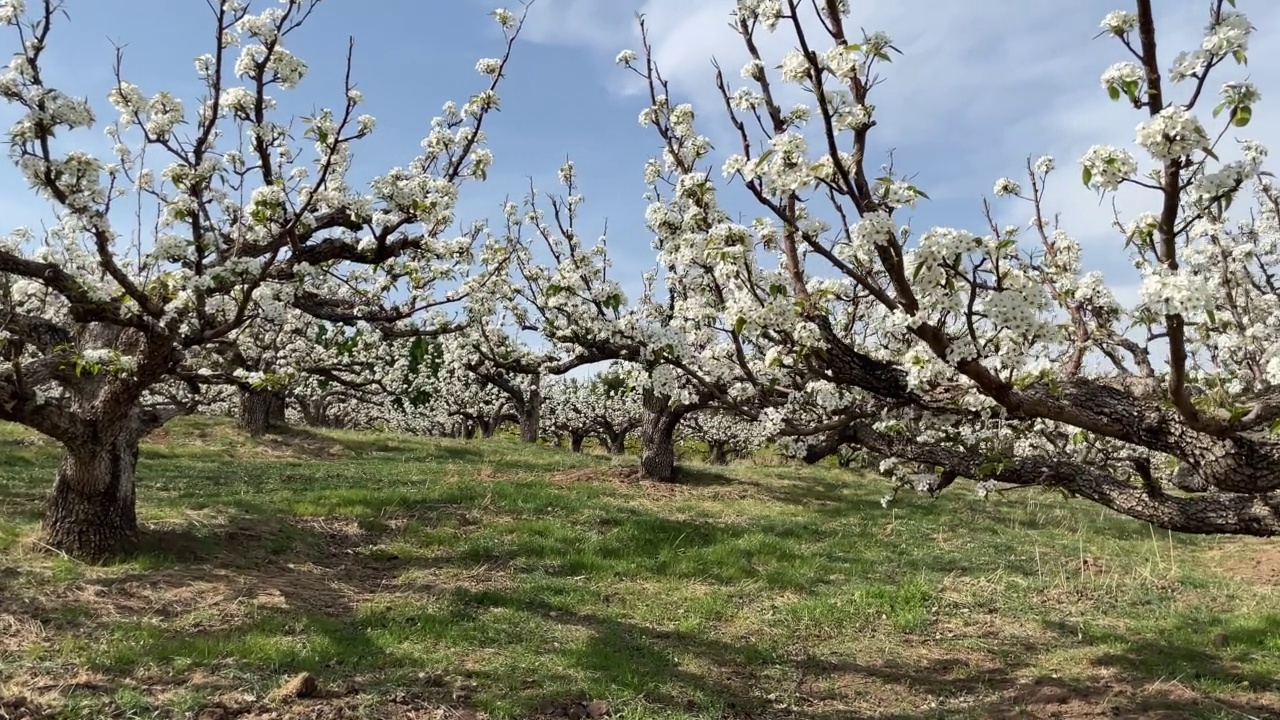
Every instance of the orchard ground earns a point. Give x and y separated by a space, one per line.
420 578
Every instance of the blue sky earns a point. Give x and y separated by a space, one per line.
983 84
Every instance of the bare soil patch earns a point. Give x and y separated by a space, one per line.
1253 561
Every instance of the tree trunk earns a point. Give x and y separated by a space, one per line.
719 454
557 440
313 411
488 428
826 445
531 413
90 515
616 442
657 437
278 415
255 411
575 441
468 430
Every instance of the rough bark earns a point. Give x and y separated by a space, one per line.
1212 513
488 428
616 442
255 411
657 437
531 415
468 430
575 442
91 513
1237 456
828 445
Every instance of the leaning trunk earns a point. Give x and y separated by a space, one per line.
91 515
575 442
657 437
718 454
255 411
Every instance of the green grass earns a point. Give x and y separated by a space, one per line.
410 575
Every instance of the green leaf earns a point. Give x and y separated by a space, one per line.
1131 89
738 324
1087 176
1241 116
1113 92
915 274
1219 108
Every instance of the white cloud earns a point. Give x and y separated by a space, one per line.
982 85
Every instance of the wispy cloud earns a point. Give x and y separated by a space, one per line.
981 86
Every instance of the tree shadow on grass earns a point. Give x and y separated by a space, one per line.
246 586
328 595
822 494
1213 652
619 658
852 492
984 687
697 673
702 476
261 597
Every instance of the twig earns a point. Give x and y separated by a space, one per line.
56 550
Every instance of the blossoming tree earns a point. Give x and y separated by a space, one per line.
248 221
602 406
570 411
726 434
1024 369
569 295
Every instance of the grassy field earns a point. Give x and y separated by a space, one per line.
421 579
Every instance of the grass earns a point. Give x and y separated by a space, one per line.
431 579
